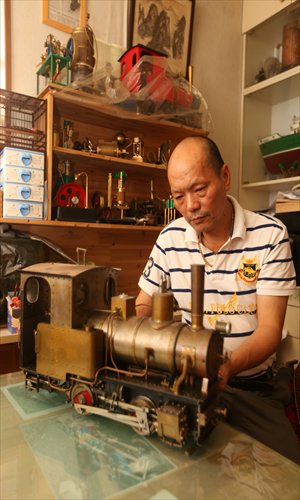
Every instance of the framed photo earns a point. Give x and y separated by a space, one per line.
166 26
64 15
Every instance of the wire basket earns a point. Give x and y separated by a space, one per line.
22 121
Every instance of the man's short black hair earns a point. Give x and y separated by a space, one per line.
214 154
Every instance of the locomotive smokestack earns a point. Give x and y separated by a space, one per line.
197 285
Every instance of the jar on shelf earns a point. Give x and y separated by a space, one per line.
291 45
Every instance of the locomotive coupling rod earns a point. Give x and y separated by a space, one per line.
137 419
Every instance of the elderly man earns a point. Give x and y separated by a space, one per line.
249 275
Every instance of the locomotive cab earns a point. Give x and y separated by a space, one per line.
63 295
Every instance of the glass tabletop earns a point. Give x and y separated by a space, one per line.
49 451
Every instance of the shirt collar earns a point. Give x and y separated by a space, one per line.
239 226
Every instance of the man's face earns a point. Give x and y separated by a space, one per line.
199 193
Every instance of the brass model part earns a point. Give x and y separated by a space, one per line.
190 76
172 423
124 304
59 347
197 286
109 190
183 376
206 347
77 176
83 60
66 294
162 307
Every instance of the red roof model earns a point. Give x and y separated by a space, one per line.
133 55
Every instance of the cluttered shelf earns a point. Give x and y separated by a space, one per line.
66 104
115 116
74 155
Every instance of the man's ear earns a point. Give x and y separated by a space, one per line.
226 176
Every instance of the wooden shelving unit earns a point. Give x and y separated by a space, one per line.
123 246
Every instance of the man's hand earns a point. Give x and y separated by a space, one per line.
143 304
263 342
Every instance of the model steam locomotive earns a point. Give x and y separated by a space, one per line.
154 374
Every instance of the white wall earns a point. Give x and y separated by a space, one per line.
217 60
28 35
216 57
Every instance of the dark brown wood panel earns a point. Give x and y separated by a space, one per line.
9 358
128 250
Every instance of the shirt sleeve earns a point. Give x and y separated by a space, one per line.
277 275
156 268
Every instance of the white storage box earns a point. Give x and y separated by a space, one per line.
13 191
22 209
21 175
21 158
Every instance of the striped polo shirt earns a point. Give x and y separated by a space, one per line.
256 260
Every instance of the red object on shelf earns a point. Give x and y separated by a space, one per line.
133 55
70 195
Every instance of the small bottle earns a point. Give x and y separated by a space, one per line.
138 149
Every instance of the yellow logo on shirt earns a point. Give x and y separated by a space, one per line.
231 307
248 270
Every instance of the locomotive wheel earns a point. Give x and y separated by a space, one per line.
82 394
145 402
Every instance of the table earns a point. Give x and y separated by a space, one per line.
68 456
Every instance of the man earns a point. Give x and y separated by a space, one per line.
249 275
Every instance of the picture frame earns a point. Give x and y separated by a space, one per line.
65 15
166 26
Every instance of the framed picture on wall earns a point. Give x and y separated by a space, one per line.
64 15
166 26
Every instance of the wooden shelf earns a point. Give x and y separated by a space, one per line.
273 185
72 224
281 77
8 338
76 155
115 116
